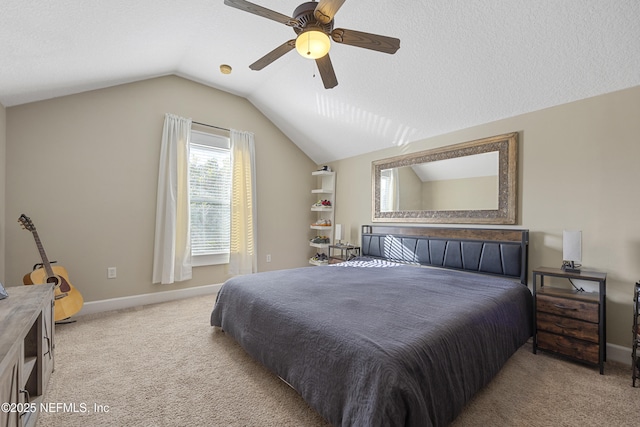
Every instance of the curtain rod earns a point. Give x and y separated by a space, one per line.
210 126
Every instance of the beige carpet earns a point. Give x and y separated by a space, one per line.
163 365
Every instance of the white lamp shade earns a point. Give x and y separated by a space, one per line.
338 231
313 44
572 246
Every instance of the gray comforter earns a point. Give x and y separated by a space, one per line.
400 346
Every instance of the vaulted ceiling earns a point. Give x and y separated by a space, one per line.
460 62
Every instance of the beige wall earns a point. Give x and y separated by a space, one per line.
85 168
578 169
410 190
477 193
3 168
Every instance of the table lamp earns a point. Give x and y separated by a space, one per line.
571 251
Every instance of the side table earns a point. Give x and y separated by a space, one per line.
570 322
340 253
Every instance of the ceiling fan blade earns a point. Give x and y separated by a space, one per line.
366 40
326 10
273 55
326 72
261 11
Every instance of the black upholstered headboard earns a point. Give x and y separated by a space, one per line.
502 252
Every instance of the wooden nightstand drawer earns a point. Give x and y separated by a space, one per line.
574 308
567 346
568 326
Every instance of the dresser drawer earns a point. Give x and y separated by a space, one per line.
576 309
568 346
567 326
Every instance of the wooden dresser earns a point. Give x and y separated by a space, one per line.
570 322
26 352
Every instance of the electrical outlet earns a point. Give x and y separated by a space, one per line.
111 273
268 257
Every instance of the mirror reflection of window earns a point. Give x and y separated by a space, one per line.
389 190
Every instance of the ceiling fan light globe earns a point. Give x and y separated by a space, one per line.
313 44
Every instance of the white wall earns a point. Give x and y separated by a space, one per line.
85 169
578 169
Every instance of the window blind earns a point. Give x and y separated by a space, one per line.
210 193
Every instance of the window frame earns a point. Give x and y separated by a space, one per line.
216 141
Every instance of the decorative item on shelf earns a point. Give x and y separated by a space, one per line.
320 258
322 204
571 251
320 239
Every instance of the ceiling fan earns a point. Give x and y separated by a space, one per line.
313 25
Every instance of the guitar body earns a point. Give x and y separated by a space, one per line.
66 303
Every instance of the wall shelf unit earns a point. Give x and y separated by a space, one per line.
324 206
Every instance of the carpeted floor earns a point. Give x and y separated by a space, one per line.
163 365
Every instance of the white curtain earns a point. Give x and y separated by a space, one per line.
172 247
389 190
243 258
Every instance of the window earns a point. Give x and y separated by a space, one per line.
387 194
210 198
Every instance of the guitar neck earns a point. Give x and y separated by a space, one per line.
43 255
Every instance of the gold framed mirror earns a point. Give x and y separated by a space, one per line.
472 182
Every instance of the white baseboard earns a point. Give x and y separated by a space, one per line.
144 299
619 354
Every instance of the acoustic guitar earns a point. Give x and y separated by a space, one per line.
68 300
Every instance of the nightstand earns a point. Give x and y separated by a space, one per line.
569 322
340 253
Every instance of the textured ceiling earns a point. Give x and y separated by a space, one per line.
460 63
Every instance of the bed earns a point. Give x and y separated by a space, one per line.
404 335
